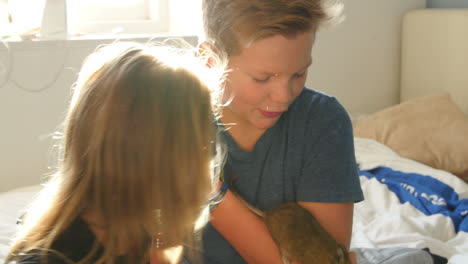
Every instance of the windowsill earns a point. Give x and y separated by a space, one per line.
79 40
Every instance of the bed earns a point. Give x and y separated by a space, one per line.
413 157
12 205
387 219
379 221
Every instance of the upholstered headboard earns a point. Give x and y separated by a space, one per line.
435 54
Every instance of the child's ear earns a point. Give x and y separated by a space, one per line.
206 53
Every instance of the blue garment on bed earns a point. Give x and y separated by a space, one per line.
425 193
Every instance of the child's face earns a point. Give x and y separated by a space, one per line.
265 78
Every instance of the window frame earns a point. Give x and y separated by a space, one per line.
157 21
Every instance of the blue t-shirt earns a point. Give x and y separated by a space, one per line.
308 155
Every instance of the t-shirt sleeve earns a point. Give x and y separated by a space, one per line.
330 172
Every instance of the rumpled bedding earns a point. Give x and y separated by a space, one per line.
12 205
385 219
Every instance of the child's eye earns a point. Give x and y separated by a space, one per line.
261 80
299 75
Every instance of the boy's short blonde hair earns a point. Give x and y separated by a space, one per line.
229 24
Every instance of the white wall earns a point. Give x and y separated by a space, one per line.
33 102
447 4
358 61
355 61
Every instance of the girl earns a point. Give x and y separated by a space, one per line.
137 163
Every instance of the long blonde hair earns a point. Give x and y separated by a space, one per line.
230 24
137 149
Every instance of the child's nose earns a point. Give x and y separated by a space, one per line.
281 92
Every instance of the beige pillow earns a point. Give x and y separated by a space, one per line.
429 129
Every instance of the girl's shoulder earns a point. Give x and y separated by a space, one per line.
38 257
73 244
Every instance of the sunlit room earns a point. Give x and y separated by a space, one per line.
234 131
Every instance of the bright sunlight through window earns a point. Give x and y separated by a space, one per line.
89 16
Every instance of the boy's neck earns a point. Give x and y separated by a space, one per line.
243 134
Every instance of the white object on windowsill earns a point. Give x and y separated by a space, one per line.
54 20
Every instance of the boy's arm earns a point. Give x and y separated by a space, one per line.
336 219
245 231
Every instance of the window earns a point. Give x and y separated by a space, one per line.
89 16
118 16
97 10
3 12
19 15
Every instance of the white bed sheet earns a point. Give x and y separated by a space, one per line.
12 205
382 221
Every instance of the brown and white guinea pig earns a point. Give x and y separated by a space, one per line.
301 238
